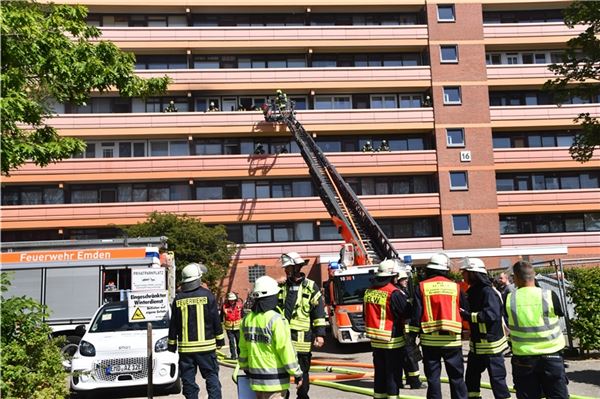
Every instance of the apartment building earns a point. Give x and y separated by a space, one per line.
478 162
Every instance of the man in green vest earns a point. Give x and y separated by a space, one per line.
266 352
537 340
301 302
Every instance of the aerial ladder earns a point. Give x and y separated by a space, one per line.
366 245
355 224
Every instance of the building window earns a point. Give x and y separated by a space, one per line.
458 181
461 224
449 54
452 95
255 272
455 137
445 13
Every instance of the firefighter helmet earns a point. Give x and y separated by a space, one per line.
473 265
439 262
387 268
264 286
292 259
231 296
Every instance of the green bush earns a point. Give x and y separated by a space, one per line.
585 294
31 362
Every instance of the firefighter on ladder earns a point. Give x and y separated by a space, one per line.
231 314
385 308
301 302
436 317
488 341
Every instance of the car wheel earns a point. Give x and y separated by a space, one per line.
69 349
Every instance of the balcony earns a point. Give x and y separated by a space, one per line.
280 37
508 159
223 211
220 167
534 34
251 122
578 243
549 200
523 74
293 78
539 115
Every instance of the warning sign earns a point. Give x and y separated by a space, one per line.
148 305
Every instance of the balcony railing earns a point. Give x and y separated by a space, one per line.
508 73
280 36
527 31
248 122
219 166
269 78
547 200
571 240
218 211
543 114
528 158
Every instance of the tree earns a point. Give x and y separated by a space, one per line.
192 241
579 72
49 54
31 362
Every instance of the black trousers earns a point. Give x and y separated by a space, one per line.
410 363
304 359
234 339
540 376
387 364
477 364
453 360
209 369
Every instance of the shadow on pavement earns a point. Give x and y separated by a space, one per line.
591 377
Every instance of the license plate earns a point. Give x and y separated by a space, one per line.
124 368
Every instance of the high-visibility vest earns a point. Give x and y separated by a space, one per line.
441 310
232 315
266 351
534 327
379 320
308 297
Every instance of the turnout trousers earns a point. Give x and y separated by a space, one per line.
477 364
410 364
453 360
234 339
387 363
540 376
209 369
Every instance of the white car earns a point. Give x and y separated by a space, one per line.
113 354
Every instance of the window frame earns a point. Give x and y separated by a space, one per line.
449 61
455 145
456 231
464 187
446 97
446 6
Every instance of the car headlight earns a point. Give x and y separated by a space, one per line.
161 345
87 349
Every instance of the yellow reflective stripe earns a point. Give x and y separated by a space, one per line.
474 394
414 373
200 322
220 336
184 323
454 307
474 317
435 325
396 342
482 328
319 322
441 340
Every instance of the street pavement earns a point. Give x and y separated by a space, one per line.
584 376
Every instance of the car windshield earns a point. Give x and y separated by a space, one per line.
351 289
116 318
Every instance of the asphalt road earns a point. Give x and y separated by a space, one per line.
584 376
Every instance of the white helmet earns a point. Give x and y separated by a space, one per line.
400 268
387 268
292 259
192 272
264 286
231 296
439 262
473 265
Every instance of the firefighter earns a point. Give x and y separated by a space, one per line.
487 341
437 318
385 308
267 355
281 101
301 302
231 315
410 352
195 330
537 341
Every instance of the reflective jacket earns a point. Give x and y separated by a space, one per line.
485 318
534 325
266 352
232 315
436 313
385 308
306 314
195 323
